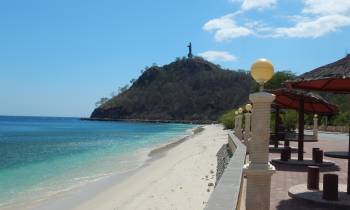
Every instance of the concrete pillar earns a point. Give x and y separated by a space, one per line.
315 129
259 171
236 123
247 129
239 133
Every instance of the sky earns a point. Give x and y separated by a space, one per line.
57 58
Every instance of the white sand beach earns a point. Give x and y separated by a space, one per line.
176 180
176 177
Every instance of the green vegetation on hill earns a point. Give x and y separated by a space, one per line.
227 119
185 90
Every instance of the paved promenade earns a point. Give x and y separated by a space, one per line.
287 176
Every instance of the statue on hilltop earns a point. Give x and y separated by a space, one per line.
190 50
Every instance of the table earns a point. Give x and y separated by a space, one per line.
341 155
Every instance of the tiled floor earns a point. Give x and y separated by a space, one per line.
287 176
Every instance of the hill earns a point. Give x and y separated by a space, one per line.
192 90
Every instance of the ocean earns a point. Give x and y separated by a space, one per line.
44 156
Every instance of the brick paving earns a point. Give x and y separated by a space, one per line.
287 176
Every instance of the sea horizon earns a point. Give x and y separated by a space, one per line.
14 115
44 156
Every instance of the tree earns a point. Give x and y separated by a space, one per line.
154 64
113 94
277 80
123 89
290 119
101 101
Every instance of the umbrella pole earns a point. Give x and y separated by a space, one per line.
348 187
276 126
301 130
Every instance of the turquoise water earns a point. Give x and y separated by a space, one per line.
42 156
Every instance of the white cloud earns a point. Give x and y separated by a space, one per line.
326 7
255 4
314 28
225 28
316 18
222 56
258 4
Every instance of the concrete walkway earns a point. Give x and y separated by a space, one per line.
287 176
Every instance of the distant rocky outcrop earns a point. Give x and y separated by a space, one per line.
188 89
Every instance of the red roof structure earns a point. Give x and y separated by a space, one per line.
333 77
304 102
287 98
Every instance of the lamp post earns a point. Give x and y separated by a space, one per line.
259 171
315 128
236 122
239 133
247 116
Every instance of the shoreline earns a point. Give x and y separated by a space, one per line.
183 178
161 150
55 201
177 175
150 121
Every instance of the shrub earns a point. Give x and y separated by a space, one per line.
227 119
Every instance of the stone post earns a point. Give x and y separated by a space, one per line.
247 130
239 133
315 129
259 171
236 124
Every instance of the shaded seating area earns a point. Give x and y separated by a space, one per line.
304 103
279 132
328 193
294 137
333 77
290 171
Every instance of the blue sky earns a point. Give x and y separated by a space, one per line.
57 58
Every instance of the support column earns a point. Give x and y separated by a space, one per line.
247 129
301 130
315 128
236 122
239 133
348 187
259 171
277 124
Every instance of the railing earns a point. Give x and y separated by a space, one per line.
331 128
227 192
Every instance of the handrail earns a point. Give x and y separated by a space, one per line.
227 192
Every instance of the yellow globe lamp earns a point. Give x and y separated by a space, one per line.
236 112
240 110
248 107
315 116
262 71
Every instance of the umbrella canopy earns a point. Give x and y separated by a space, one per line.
304 102
333 77
287 98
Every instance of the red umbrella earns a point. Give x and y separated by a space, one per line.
333 77
290 99
304 102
